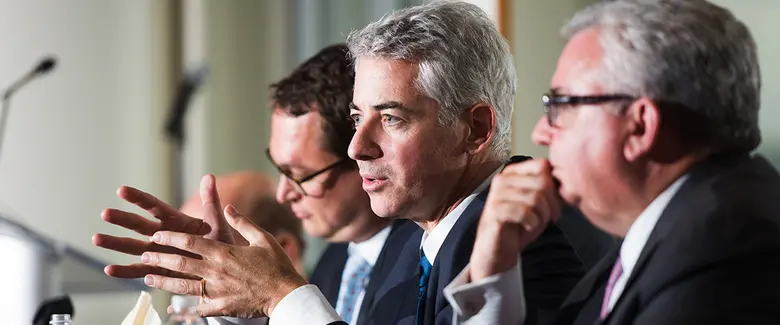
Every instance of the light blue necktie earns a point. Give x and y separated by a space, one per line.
358 272
425 268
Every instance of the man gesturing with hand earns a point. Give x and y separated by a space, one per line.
221 269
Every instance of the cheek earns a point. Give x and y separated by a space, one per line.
418 158
582 157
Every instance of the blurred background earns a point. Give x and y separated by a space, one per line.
96 122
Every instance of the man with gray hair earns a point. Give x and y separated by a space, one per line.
432 107
650 121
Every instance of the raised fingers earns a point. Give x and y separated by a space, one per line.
125 245
173 262
213 211
188 243
251 232
174 285
148 202
130 221
139 270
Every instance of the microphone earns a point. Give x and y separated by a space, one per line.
189 84
43 67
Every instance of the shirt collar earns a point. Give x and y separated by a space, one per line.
643 226
431 242
370 249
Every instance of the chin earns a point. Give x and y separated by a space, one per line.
314 229
383 207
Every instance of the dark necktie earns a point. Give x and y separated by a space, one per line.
425 273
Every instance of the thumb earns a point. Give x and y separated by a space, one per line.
255 235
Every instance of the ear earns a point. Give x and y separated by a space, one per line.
480 122
290 245
644 122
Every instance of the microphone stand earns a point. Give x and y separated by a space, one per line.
43 67
175 129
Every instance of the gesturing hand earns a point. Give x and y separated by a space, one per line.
521 202
212 226
241 281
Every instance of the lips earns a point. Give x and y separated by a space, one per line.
300 214
373 183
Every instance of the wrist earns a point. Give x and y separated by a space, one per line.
283 288
496 250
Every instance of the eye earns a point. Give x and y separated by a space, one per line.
355 119
390 120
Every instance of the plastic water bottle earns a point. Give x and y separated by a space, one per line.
60 319
184 311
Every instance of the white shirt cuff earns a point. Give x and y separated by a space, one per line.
497 299
236 321
303 306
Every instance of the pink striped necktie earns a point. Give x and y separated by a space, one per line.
617 270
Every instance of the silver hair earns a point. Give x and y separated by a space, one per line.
688 52
462 59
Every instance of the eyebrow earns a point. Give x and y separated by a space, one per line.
559 91
384 105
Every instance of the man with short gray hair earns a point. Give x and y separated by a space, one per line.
650 121
434 93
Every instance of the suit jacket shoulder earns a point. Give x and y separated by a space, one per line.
722 232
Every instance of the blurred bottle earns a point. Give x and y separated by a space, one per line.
60 319
184 311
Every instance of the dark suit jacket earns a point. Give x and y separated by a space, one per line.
590 243
712 258
550 270
327 274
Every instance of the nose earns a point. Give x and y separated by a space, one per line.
542 133
364 145
285 192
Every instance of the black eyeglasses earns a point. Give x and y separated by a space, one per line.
304 185
553 102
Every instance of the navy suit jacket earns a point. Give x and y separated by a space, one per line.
551 268
327 274
712 258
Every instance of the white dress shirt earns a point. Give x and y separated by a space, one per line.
637 236
307 305
431 242
499 299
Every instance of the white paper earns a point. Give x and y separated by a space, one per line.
143 313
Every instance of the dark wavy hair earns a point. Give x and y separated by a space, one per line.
322 84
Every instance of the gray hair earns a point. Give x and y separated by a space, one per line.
688 52
462 59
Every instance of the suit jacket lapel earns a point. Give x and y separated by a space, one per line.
396 296
674 212
391 252
573 310
327 275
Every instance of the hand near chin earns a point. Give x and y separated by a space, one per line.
240 281
523 199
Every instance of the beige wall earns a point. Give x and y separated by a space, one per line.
95 123
536 42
